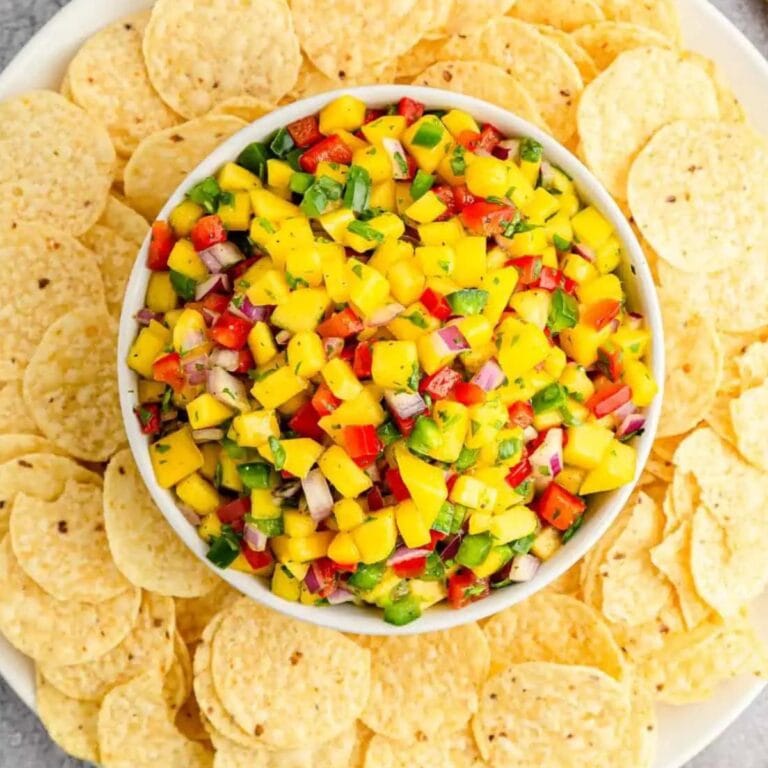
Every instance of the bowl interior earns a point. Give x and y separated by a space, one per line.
603 508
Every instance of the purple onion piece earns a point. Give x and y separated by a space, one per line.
227 389
585 251
405 404
254 538
213 283
253 312
451 547
405 554
489 377
633 423
317 494
452 339
339 596
228 359
523 568
385 315
146 315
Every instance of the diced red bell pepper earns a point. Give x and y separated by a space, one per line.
257 560
610 361
434 538
608 398
231 331
410 109
520 414
413 166
490 136
148 415
331 150
323 571
348 352
305 132
550 279
450 480
519 473
324 401
436 304
601 313
528 269
375 499
468 393
404 426
488 219
362 444
305 422
411 569
362 360
234 510
208 231
160 246
559 507
462 197
444 193
394 481
168 370
464 587
215 302
245 361
341 324
440 384
373 114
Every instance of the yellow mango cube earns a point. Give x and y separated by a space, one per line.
515 523
160 294
591 227
343 549
174 457
435 260
427 208
488 177
546 543
302 310
500 284
235 215
368 288
394 363
348 514
600 288
532 306
582 341
476 329
306 354
189 325
304 266
578 268
254 428
206 411
284 585
453 420
344 113
411 524
383 195
641 382
262 343
616 468
185 260
470 261
541 206
586 445
195 491
523 346
608 255
375 160
278 386
425 482
342 473
271 207
335 223
184 217
341 380
385 127
375 538
333 263
442 232
427 140
406 281
473 493
335 171
457 121
300 454
297 524
147 347
233 177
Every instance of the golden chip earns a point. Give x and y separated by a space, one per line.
563 14
463 749
661 15
126 222
417 59
193 614
177 684
606 40
76 406
145 548
312 81
14 445
747 417
57 164
189 720
14 416
581 58
244 107
470 14
387 753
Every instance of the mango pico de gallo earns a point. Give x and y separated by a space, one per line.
385 357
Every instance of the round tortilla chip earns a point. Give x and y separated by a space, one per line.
464 751
149 645
193 614
53 632
470 14
730 106
623 107
410 707
537 714
747 418
606 40
14 416
323 677
57 164
677 186
187 68
581 58
483 81
693 366
61 544
108 79
47 276
638 748
563 14
244 107
538 62
126 222
553 628
659 15
135 728
70 723
177 684
387 753
163 160
417 59
567 584
76 406
145 548
12 446
312 81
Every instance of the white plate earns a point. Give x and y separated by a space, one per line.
684 731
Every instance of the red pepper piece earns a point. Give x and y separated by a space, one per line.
341 324
488 219
462 197
168 370
325 573
550 279
257 560
305 132
464 587
559 507
520 414
608 398
160 246
362 360
610 361
375 499
231 331
234 510
601 313
394 481
405 426
411 569
434 538
362 443
528 268
519 473
436 304
207 231
468 393
305 422
410 109
331 150
148 415
440 384
444 192
324 401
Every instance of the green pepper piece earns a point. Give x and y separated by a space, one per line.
402 611
281 143
444 519
421 184
183 285
300 182
467 458
254 159
426 435
388 433
429 133
367 576
224 549
468 301
255 474
357 195
434 569
549 398
474 549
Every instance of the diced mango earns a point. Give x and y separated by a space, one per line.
184 216
284 585
616 468
306 354
500 284
522 346
206 411
269 206
296 523
586 445
473 493
254 428
513 524
233 177
453 420
375 160
198 493
301 453
641 382
376 537
185 260
341 472
344 113
591 227
386 127
368 288
161 297
343 549
174 457
425 482
427 140
394 363
302 310
603 287
457 121
411 524
546 543
235 214
341 380
427 208
147 347
302 549
532 306
406 281
443 233
262 343
278 387
348 514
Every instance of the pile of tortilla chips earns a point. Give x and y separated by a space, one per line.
143 656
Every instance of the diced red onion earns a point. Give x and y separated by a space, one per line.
228 359
318 495
254 312
227 389
405 554
631 424
340 596
405 404
210 316
524 568
196 369
236 310
547 459
529 433
213 283
399 165
507 149
220 256
314 580
451 547
189 514
192 339
489 377
635 320
333 346
254 538
452 339
146 315
615 325
625 410
585 251
211 262
482 153
208 435
385 315
282 338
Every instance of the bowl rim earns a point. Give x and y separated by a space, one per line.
352 618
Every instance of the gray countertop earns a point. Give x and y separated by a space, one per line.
23 742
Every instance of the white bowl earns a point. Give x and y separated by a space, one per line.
603 508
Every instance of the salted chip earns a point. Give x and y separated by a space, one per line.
69 722
747 412
57 164
149 645
409 707
673 558
534 630
323 677
108 79
463 749
76 406
188 69
193 614
417 59
386 753
177 684
752 363
135 728
145 548
620 110
537 714
581 58
693 365
539 63
163 160
483 81
123 220
312 81
53 632
660 15
639 641
606 40
563 14
591 582
730 106
346 39
638 747
567 584
62 546
244 107
719 418
691 664
14 416
13 446
46 276
470 14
